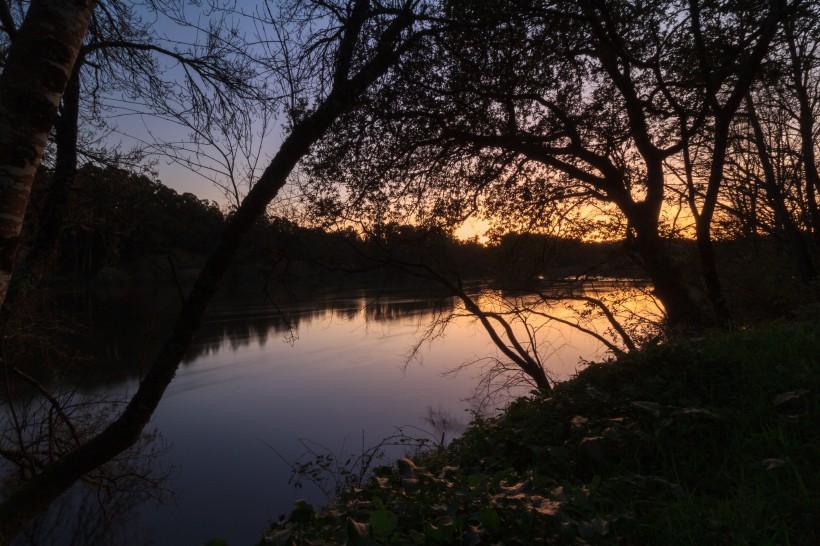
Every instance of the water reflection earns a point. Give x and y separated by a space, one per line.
326 367
37 429
128 333
77 519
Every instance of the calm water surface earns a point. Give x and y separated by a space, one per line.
331 370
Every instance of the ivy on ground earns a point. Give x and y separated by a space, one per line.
710 441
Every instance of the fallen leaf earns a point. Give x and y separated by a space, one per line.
653 407
784 397
770 464
544 506
579 421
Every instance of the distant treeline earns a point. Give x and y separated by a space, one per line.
122 225
119 220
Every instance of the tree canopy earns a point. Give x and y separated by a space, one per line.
349 45
646 123
611 117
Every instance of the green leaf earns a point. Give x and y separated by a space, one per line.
596 481
383 522
491 520
596 526
474 480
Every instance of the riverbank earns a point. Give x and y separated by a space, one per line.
709 441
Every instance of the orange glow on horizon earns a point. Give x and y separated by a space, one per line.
473 228
676 221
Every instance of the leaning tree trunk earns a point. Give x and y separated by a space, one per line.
37 70
34 496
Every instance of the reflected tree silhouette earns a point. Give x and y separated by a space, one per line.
41 425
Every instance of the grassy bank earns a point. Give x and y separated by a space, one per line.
711 441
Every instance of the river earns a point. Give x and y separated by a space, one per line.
328 372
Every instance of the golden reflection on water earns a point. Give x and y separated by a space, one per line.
343 370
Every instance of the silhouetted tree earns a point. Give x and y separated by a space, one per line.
535 112
347 47
771 165
196 84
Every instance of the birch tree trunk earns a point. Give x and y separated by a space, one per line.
37 70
